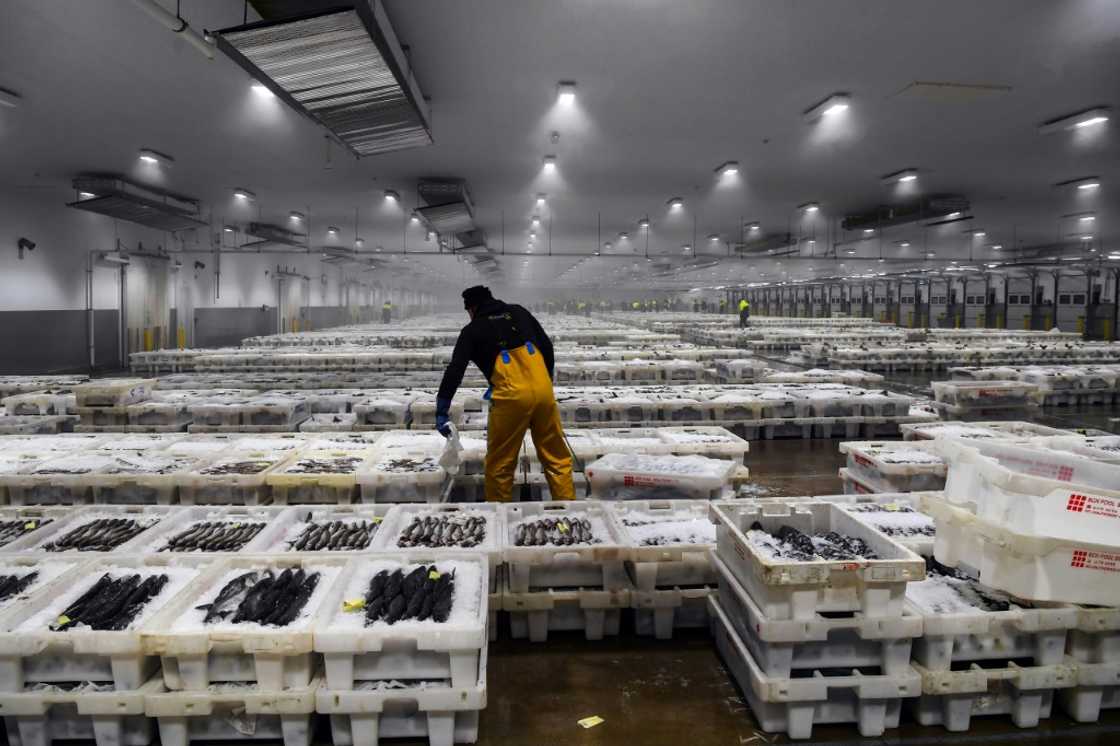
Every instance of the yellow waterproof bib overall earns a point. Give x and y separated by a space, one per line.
523 400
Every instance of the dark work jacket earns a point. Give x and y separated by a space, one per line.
495 326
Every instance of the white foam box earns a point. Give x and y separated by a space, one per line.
410 649
952 698
290 523
195 655
30 651
677 476
149 517
658 612
317 477
669 540
114 392
798 590
782 646
398 522
38 717
1037 568
180 520
600 565
1097 688
1034 491
596 613
793 706
905 467
212 482
438 711
401 475
225 712
707 441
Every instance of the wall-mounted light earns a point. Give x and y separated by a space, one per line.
728 168
549 163
155 158
608 245
834 104
414 218
713 237
868 231
541 198
904 176
566 91
332 230
904 244
297 216
809 207
644 223
753 227
623 235
244 194
229 229
535 220
1080 120
675 203
997 247
686 248
978 233
392 196
359 243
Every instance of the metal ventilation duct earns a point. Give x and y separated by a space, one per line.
122 199
771 242
449 219
926 208
343 68
276 234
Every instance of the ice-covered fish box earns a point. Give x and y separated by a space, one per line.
710 442
400 475
563 544
212 531
235 712
248 619
238 478
381 411
798 559
117 529
631 440
48 401
14 463
314 477
982 395
415 615
149 477
84 625
961 430
114 392
456 526
272 410
79 711
326 528
329 423
636 476
901 466
61 478
19 526
669 542
35 424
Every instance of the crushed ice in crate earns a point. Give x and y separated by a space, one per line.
792 545
893 519
949 591
651 530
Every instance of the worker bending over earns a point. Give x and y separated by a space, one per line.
744 313
511 349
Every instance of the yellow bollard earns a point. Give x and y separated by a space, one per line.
1080 324
147 339
1026 322
181 335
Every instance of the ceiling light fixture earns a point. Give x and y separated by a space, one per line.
295 215
623 235
1083 183
541 199
415 218
261 89
834 104
566 91
978 233
997 247
753 226
675 203
868 231
1086 238
549 163
155 157
86 195
359 242
644 223
686 248
713 237
953 215
901 177
608 245
728 168
1087 118
809 207
392 196
229 229
244 194
904 244
332 230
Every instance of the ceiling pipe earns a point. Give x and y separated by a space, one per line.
178 25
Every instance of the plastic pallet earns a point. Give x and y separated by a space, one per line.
657 613
1097 688
38 718
596 613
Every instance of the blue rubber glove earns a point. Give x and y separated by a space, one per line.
443 419
489 392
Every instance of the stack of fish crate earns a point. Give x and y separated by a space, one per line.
810 615
1092 647
102 405
891 466
403 637
565 570
639 476
669 565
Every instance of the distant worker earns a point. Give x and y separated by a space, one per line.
723 305
744 313
386 312
512 350
637 306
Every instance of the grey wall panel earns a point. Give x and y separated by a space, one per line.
221 327
323 317
55 341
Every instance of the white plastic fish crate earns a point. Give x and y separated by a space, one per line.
1036 568
986 394
861 484
149 517
31 652
114 392
21 525
208 485
397 523
1097 688
195 655
271 410
401 475
442 713
627 408
827 428
783 428
39 716
1026 693
329 423
140 478
182 519
289 524
61 478
963 430
230 712
904 467
658 612
422 411
794 705
896 514
682 537
799 590
1104 448
599 565
617 474
36 424
710 442
781 647
311 477
957 631
166 409
1036 492
48 401
643 440
381 411
406 650
595 612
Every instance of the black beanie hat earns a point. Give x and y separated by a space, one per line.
476 296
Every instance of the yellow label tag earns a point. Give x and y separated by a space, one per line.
562 526
376 519
355 605
433 575
30 526
890 506
63 619
591 722
237 525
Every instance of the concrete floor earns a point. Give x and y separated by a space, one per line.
678 692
